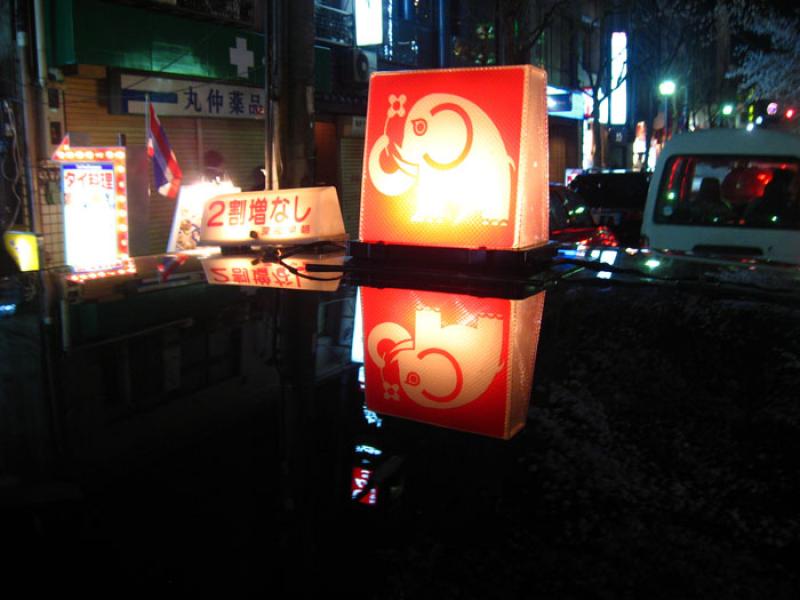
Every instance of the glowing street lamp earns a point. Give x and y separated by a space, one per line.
666 88
727 110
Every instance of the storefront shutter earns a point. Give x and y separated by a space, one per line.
240 144
351 152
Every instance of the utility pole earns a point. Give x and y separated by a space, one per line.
296 121
292 26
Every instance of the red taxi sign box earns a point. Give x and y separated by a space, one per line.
247 271
451 360
457 158
272 217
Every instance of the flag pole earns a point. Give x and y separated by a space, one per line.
147 137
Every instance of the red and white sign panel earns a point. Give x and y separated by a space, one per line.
291 216
451 360
457 158
359 481
240 270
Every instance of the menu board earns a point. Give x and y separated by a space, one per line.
90 215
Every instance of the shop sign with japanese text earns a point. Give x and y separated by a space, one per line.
188 98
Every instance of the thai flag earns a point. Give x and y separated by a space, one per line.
167 173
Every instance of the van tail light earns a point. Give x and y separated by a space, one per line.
606 237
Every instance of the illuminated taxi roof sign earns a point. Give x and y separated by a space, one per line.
272 217
456 158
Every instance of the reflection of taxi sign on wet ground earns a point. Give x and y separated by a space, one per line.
272 217
451 360
358 487
447 164
290 273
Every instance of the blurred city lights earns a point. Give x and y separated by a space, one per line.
652 263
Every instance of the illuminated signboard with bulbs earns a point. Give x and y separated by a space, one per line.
451 360
94 193
456 158
276 233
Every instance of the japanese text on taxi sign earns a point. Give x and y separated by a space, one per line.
268 216
263 274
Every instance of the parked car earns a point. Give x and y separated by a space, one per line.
727 192
616 200
571 220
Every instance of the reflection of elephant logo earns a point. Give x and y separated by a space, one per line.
454 154
444 367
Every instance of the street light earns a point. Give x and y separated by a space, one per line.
727 110
666 88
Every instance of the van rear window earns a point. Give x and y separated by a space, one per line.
730 191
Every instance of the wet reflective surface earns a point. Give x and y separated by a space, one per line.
659 458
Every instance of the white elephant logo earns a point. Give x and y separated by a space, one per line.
454 154
444 367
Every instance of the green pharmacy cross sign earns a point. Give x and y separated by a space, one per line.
125 37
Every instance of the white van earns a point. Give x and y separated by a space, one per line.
728 193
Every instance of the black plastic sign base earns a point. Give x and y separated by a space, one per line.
529 259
